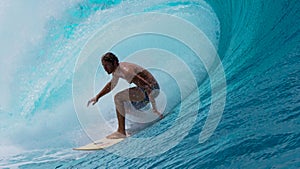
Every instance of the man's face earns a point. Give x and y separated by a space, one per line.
108 66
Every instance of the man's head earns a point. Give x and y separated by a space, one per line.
110 62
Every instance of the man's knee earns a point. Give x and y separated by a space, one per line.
118 98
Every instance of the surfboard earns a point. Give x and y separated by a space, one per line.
99 144
105 142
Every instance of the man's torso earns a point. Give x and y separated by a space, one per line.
130 71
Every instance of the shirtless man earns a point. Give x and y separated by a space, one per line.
146 89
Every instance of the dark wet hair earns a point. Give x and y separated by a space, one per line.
110 57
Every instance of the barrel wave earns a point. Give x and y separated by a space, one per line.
44 76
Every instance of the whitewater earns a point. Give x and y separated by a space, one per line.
228 71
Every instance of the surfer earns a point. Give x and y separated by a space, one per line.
145 91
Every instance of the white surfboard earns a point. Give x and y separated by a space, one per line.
105 142
99 144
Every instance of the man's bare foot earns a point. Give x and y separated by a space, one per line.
116 135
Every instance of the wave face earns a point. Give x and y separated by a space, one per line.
257 42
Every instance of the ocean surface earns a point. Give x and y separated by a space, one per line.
229 73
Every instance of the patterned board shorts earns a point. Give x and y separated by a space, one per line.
141 104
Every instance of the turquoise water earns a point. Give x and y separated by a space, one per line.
258 45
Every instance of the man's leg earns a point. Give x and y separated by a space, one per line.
131 94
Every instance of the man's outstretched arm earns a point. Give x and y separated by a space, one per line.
106 89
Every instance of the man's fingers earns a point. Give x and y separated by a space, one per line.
89 102
161 116
93 101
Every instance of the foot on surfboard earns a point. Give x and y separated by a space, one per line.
116 135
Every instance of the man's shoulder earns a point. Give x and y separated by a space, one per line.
126 63
130 64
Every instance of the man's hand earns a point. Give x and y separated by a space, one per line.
161 116
93 101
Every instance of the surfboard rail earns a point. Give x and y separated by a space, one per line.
99 144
